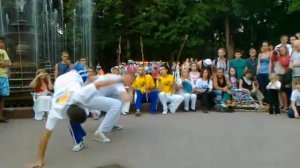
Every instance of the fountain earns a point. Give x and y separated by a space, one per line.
82 30
36 33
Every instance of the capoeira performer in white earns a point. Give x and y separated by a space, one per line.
113 97
69 100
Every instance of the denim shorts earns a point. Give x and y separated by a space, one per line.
4 86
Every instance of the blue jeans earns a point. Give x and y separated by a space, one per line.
220 97
142 97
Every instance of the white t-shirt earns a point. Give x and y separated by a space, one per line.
68 90
295 97
112 90
204 84
295 58
276 85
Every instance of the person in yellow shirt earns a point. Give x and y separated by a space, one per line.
4 84
166 86
145 91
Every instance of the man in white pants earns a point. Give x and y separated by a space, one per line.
166 86
70 98
112 105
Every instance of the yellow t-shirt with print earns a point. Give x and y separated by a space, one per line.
3 58
139 83
165 84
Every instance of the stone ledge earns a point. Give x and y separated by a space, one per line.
27 112
18 112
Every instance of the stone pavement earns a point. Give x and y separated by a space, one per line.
181 140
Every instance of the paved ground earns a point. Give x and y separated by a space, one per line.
182 140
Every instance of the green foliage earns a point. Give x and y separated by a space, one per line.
163 25
294 6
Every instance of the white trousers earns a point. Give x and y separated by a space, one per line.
41 105
125 107
111 106
187 98
174 99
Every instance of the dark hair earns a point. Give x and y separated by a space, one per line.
2 39
220 68
166 67
76 114
238 51
248 71
208 73
235 72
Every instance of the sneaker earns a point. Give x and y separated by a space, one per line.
100 137
219 108
117 128
95 116
124 113
78 147
192 110
164 112
205 111
224 105
137 114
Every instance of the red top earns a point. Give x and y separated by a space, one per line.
284 61
39 90
155 74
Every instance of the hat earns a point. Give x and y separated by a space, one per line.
207 62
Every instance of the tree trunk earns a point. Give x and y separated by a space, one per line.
128 54
229 37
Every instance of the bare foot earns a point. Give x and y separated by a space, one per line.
38 164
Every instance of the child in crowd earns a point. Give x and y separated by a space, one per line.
43 86
294 112
232 78
273 88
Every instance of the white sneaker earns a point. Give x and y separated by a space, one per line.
117 128
100 137
224 105
78 147
124 113
164 112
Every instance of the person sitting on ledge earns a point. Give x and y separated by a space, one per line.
145 91
294 112
43 86
221 89
166 85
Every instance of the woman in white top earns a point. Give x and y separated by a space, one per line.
194 74
186 88
203 89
